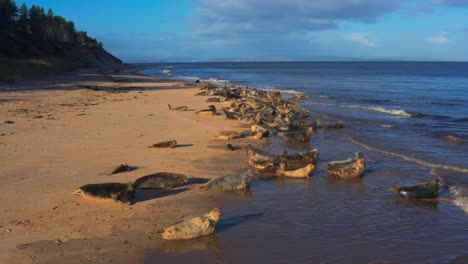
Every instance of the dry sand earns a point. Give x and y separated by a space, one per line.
65 135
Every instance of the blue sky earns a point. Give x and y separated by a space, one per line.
206 30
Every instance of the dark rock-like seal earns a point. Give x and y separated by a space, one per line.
337 125
122 168
427 190
119 192
347 169
164 144
210 111
238 181
160 180
193 226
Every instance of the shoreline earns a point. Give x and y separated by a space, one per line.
66 133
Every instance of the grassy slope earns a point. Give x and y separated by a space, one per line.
20 69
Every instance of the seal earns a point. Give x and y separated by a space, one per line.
118 192
238 181
347 169
299 160
299 173
160 180
123 168
179 108
299 136
258 155
210 111
164 144
193 226
337 125
426 190
262 165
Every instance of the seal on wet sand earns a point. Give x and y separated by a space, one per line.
299 173
236 181
119 192
160 180
193 226
426 190
347 169
164 144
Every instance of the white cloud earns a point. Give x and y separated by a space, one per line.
360 37
440 38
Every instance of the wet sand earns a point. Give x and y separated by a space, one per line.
74 130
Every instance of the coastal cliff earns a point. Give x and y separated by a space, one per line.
35 43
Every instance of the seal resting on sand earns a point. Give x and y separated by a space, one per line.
193 226
119 192
347 169
299 173
238 181
178 108
164 144
426 190
122 168
210 111
160 180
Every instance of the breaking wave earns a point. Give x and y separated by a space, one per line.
460 197
410 159
283 91
396 112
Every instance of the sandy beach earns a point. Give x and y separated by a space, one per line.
64 132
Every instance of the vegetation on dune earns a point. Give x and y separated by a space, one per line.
36 41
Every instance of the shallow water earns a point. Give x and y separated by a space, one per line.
399 115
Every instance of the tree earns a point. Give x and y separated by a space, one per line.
23 19
8 12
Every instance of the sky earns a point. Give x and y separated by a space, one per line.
266 30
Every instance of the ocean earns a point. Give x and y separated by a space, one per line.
411 121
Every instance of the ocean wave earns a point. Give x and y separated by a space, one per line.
375 101
460 197
461 120
166 71
217 81
285 91
410 159
396 112
386 125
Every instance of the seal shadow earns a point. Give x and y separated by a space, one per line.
149 194
204 243
183 145
225 223
418 203
196 181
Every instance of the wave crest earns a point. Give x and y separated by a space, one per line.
460 197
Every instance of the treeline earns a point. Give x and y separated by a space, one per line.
33 33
